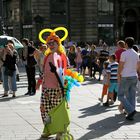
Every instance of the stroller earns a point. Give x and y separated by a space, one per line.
60 116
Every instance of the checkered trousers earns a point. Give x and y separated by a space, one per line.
49 99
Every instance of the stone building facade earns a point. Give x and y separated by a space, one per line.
86 20
127 19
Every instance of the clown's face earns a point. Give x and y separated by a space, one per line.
53 45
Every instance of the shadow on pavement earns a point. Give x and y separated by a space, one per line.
88 81
21 86
22 83
108 125
50 138
6 99
94 110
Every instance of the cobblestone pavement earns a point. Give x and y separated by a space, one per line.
20 117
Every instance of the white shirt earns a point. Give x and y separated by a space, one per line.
130 59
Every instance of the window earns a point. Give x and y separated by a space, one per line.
26 10
58 11
105 32
27 33
105 7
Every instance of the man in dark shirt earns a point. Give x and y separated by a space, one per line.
103 56
93 61
30 62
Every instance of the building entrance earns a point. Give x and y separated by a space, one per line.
130 29
130 24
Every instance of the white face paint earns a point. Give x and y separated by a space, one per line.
53 45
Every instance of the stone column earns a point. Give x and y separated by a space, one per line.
16 21
83 15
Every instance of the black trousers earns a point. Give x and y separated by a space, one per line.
31 79
96 69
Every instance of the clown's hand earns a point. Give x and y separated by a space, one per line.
53 68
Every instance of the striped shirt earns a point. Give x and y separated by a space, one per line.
112 69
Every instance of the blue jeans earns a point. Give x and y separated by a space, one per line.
127 93
7 79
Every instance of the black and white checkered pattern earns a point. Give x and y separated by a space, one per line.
49 99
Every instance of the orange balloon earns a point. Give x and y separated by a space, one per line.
68 72
75 74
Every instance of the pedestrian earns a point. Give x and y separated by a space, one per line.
40 61
136 48
9 69
85 60
112 80
72 55
127 77
30 63
40 57
78 59
105 81
103 56
93 61
1 63
52 94
120 48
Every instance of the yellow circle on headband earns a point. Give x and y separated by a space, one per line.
55 30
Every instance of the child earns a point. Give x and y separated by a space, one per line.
112 79
105 84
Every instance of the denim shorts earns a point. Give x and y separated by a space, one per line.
113 87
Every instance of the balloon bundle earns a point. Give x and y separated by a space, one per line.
72 78
74 74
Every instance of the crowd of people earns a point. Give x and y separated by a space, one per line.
121 77
119 70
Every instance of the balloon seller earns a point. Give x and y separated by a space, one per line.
52 93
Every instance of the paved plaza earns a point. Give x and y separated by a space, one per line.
20 117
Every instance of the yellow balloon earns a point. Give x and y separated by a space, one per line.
75 74
63 29
42 32
80 78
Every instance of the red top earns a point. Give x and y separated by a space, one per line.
118 53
